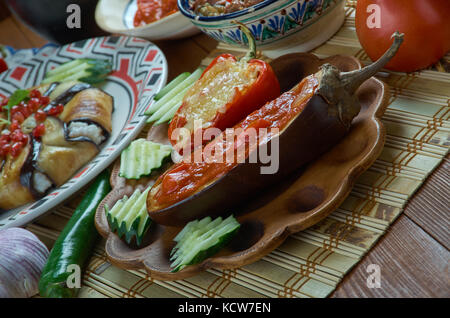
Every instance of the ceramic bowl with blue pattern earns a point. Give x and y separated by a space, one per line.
275 24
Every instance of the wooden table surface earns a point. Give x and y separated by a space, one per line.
413 255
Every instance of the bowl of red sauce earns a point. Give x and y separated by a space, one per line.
149 19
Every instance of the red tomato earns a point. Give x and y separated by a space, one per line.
426 26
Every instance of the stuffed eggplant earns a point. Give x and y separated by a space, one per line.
49 132
227 91
304 122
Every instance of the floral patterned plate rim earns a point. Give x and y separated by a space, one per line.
140 70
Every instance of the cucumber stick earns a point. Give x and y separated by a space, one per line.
173 92
168 115
177 80
141 157
201 239
129 218
175 102
86 70
65 68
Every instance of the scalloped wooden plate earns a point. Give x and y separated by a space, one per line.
296 204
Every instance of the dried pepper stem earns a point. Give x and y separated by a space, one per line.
352 80
338 88
251 54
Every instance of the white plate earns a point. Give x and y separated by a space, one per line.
116 16
140 71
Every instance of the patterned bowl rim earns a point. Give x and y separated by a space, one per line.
184 7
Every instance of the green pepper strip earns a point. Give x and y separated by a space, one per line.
74 244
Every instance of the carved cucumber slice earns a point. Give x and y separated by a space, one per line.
201 239
129 218
141 157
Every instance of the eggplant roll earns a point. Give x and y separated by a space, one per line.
71 139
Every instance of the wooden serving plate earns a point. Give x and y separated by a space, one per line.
298 203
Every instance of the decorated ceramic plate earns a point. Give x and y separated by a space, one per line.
139 71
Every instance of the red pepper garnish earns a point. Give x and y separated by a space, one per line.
17 135
26 111
5 149
56 110
14 125
5 137
13 140
262 90
44 100
19 117
40 115
15 109
39 131
35 93
16 149
34 103
5 101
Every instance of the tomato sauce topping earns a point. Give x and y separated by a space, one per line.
13 139
153 10
185 178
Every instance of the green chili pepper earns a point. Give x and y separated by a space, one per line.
75 243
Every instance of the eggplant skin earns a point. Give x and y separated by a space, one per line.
55 149
309 135
54 156
90 105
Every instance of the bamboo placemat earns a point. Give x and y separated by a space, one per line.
311 263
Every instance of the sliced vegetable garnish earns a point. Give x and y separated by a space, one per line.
129 218
164 109
141 157
170 112
90 71
75 243
172 96
201 239
177 80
